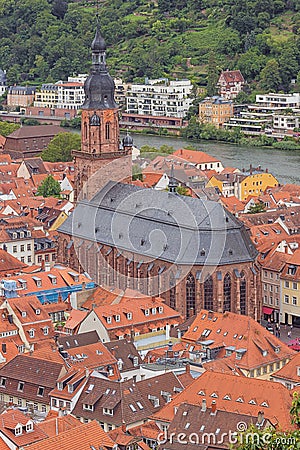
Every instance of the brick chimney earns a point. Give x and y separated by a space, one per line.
213 408
187 368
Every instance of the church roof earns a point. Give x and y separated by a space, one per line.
163 225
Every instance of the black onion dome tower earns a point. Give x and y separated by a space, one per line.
99 87
100 158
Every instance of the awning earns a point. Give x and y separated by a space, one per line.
267 310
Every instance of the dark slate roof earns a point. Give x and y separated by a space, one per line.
78 340
124 351
158 224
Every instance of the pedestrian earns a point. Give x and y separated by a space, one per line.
289 334
279 333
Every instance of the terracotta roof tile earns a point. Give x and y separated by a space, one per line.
87 436
257 395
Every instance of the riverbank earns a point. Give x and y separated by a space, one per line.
283 164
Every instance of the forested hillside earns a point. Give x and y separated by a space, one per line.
44 40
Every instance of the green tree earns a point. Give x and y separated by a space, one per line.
6 128
61 146
257 208
270 76
49 187
212 75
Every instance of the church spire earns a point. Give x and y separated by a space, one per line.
99 87
98 52
172 181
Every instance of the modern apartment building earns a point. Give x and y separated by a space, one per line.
160 97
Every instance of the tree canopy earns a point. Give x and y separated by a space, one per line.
49 187
6 128
61 146
48 40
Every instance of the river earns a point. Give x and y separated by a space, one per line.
283 164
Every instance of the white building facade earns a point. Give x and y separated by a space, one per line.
160 97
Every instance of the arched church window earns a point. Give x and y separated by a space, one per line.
172 290
209 293
227 293
190 296
243 294
107 131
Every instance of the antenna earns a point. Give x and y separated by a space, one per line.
97 12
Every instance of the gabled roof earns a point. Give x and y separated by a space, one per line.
83 437
32 370
9 264
257 395
290 371
201 223
251 345
195 156
35 131
11 418
233 76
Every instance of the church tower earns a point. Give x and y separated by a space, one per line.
102 158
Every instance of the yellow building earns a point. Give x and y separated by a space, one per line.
215 110
255 183
290 293
47 96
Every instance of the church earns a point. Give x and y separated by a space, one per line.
191 252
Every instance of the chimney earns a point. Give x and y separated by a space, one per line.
267 170
187 368
123 427
213 408
4 347
43 265
203 406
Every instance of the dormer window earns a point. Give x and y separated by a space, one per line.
160 309
31 333
154 400
2 382
108 411
29 427
37 281
129 316
14 235
21 234
53 279
18 430
153 310
40 391
46 331
135 361
88 407
70 388
20 386
38 311
60 386
118 318
24 314
108 319
75 276
147 312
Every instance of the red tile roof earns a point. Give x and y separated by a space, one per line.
195 156
83 437
242 334
243 395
